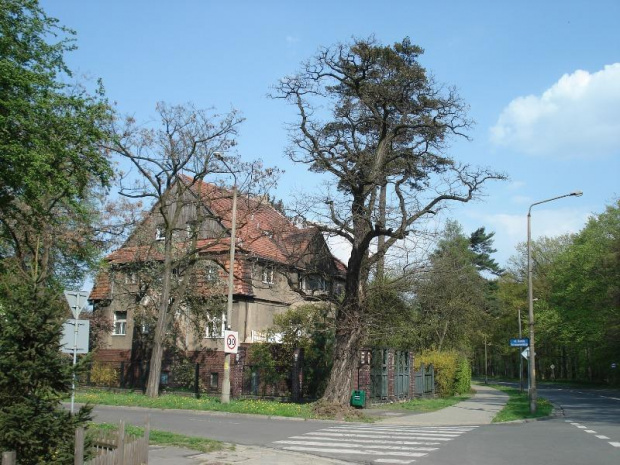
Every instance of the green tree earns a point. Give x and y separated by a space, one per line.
584 285
388 126
50 172
452 297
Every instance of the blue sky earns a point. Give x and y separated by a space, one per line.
542 79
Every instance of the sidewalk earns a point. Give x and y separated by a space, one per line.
479 410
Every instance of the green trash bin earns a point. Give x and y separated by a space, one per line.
358 399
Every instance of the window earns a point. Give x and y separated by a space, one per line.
313 283
216 326
191 228
160 233
120 323
212 273
268 275
213 380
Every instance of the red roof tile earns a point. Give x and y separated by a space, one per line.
262 232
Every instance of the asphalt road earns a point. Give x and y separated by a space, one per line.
585 431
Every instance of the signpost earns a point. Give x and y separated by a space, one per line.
77 301
520 342
231 342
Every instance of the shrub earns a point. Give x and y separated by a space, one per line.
104 375
452 372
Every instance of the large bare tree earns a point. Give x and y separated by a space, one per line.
371 119
169 162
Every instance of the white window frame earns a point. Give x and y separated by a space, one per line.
220 334
323 283
267 275
160 233
120 324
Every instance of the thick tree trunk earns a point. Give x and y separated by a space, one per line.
346 345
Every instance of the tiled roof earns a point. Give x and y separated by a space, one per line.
262 233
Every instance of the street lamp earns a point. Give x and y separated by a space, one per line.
530 298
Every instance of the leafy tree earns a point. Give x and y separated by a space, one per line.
584 285
388 126
309 327
50 176
451 297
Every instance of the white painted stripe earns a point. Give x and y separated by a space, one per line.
461 429
393 461
575 424
318 436
353 451
581 426
347 445
590 431
615 444
468 427
399 433
600 436
379 436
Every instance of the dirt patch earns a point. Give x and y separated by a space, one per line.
324 409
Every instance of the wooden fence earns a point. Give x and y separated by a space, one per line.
111 448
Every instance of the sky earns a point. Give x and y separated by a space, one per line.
541 78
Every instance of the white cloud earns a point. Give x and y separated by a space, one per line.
577 117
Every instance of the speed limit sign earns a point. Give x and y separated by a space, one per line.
231 342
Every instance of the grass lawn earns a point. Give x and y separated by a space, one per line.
164 438
518 406
423 405
171 401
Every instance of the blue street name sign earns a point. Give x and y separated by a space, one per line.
520 342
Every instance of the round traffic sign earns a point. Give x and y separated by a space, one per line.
231 341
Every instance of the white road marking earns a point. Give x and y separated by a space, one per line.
590 431
393 461
378 436
615 444
581 426
354 451
346 445
367 441
600 436
396 432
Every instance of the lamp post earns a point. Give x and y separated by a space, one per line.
225 398
520 357
530 298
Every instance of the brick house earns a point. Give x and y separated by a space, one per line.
277 265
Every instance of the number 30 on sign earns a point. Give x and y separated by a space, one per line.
231 342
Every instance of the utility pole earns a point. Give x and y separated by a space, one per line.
226 381
520 357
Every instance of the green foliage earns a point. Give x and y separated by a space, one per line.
267 358
462 379
389 317
453 300
34 375
452 372
311 328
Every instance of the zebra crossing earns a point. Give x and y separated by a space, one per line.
383 444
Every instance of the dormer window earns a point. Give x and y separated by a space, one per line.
160 233
267 275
